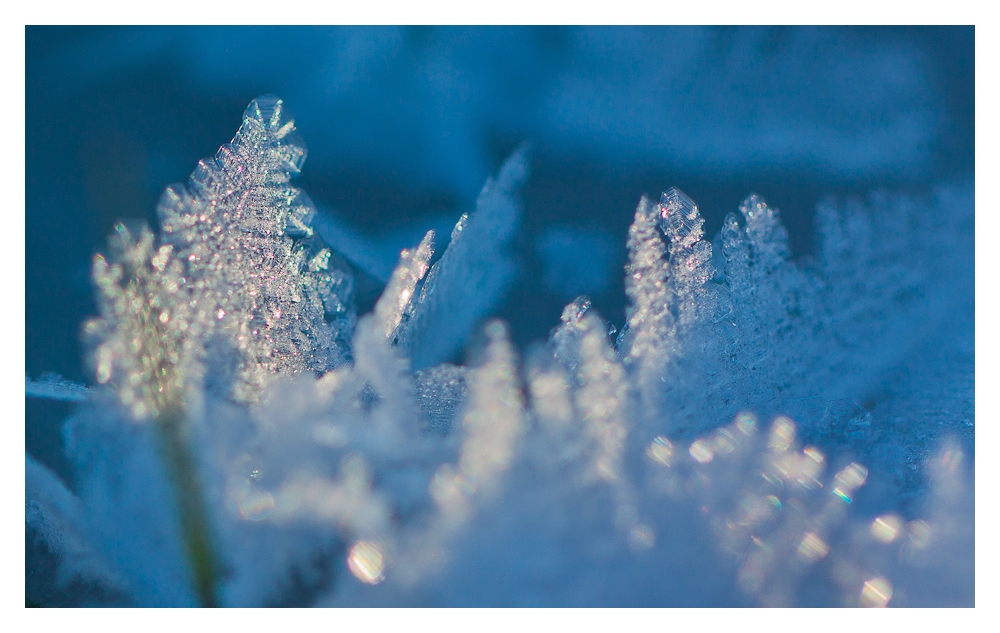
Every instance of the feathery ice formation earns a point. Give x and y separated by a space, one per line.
251 441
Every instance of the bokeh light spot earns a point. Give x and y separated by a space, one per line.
812 547
782 435
641 538
876 592
886 528
746 423
849 479
952 460
256 505
366 563
846 498
660 450
701 452
919 533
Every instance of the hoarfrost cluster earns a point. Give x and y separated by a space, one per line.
250 440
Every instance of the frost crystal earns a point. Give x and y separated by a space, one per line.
650 320
261 291
441 390
54 387
754 436
471 274
601 399
495 411
674 312
397 299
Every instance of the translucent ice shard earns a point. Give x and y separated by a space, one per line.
679 218
472 274
766 233
690 255
400 294
549 388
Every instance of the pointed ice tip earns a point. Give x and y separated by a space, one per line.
514 170
496 331
679 215
267 120
674 200
573 312
753 205
269 110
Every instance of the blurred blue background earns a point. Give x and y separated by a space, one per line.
405 124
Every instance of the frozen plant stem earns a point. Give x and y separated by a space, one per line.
236 289
140 315
190 502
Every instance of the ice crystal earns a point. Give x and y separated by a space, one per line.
650 320
494 416
397 299
601 399
440 391
717 452
471 274
54 387
260 288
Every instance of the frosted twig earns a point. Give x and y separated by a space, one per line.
55 387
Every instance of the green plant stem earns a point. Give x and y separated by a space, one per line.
194 519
